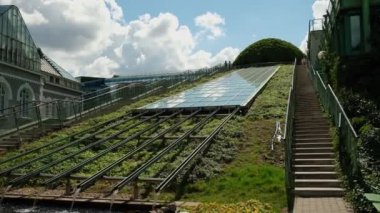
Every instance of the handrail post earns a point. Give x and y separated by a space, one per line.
59 112
38 115
74 110
16 123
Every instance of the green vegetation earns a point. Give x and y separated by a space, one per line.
366 121
268 50
255 172
238 166
250 206
101 162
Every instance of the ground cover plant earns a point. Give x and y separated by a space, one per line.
250 169
238 166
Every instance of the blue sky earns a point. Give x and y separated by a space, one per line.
246 21
127 37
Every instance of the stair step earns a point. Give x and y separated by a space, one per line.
301 136
311 124
314 155
314 168
317 183
315 175
312 131
308 128
307 108
313 145
312 150
318 191
314 161
310 112
311 118
313 140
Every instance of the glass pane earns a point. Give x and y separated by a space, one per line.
355 32
236 88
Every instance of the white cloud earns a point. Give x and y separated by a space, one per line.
116 11
101 67
34 18
319 9
91 37
211 24
303 45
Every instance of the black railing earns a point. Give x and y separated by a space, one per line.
289 140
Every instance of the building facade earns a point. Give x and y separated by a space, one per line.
27 75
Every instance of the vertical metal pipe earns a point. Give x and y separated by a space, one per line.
366 24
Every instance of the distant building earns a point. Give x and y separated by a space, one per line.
351 29
26 73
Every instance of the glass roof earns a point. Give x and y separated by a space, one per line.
235 89
16 44
50 66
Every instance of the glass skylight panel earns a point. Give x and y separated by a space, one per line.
235 89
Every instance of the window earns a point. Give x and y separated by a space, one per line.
51 79
57 80
355 32
2 98
25 99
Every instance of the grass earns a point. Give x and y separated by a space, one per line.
256 172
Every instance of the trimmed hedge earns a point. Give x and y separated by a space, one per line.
268 50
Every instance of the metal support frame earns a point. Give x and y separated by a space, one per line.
106 151
90 181
7 171
83 132
36 172
134 174
195 152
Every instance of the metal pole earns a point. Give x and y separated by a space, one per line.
38 115
59 112
16 123
366 24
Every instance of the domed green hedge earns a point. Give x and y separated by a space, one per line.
268 50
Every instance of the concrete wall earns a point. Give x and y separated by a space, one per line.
15 79
315 38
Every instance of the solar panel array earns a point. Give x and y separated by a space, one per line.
235 89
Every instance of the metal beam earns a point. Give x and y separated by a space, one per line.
62 139
90 181
22 179
174 137
194 153
133 175
104 152
7 171
107 178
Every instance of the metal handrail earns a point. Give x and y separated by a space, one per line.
291 89
288 141
347 136
343 112
336 100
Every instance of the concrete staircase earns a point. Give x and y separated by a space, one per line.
12 141
313 155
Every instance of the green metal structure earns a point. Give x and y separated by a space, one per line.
348 26
16 44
